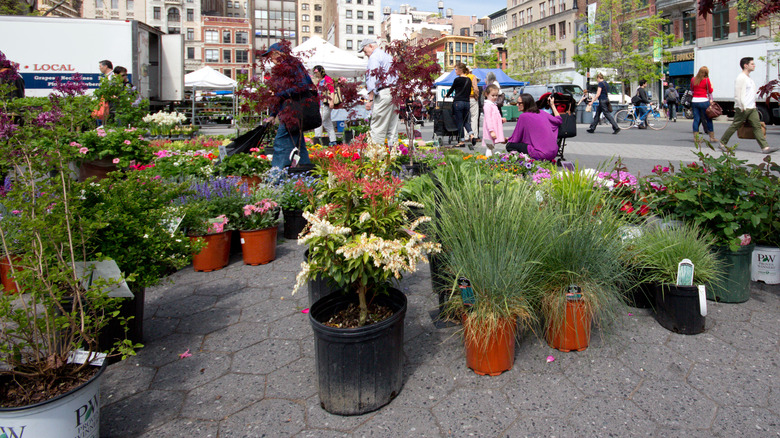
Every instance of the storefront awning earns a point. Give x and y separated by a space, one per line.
682 68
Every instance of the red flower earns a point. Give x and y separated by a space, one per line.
643 210
627 207
355 156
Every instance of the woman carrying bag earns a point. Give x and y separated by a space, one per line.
702 98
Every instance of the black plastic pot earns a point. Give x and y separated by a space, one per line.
677 309
294 223
359 370
348 136
317 286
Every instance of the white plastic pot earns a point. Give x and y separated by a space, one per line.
73 414
766 265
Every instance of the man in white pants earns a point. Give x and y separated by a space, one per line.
384 116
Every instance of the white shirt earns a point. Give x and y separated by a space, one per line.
744 92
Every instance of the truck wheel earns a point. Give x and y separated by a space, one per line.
763 115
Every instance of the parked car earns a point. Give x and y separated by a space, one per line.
538 90
614 92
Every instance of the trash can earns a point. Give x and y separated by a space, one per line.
510 112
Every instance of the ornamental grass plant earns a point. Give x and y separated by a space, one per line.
493 232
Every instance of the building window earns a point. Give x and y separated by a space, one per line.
190 14
720 24
746 27
242 56
370 2
371 30
305 29
317 7
689 27
226 37
514 20
190 52
359 15
99 4
562 56
212 36
190 34
304 6
114 4
457 59
156 12
457 47
173 15
561 5
541 10
530 13
349 13
522 19
360 2
370 15
304 39
304 17
349 44
236 5
318 18
241 37
562 30
229 14
349 28
227 72
552 31
551 6
226 56
130 5
360 30
471 47
317 29
212 55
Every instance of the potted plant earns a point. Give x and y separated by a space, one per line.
208 211
250 166
358 239
296 194
723 196
658 252
582 266
48 345
766 255
163 123
106 150
258 226
493 235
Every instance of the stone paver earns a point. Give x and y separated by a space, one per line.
252 371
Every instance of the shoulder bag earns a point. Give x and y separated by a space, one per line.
714 110
568 126
746 131
336 95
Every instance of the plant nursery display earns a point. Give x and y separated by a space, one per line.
258 227
359 239
296 194
162 123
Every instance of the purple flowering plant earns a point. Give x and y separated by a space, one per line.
210 199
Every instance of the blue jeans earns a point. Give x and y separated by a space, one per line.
461 113
700 116
641 110
672 110
284 143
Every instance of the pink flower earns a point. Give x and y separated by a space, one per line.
16 211
101 132
744 239
83 150
74 144
115 161
550 359
254 150
128 142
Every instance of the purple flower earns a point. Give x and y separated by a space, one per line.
47 119
7 127
75 87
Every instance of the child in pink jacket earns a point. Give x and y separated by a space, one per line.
492 131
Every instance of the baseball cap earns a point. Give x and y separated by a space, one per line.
275 47
365 42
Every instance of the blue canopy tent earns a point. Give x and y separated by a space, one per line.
480 73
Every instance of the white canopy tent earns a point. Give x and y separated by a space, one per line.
337 62
209 79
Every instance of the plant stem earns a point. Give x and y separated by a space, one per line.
363 306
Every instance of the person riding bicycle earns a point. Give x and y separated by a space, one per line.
640 101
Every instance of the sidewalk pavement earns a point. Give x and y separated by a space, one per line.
251 372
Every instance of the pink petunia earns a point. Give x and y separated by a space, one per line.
101 132
74 144
128 142
115 161
83 150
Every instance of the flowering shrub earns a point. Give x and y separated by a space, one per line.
358 236
296 192
259 215
251 164
162 123
122 146
184 165
213 205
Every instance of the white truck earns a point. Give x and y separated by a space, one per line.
50 47
723 63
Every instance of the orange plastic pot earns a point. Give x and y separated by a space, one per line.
251 181
259 246
495 357
215 255
9 285
575 333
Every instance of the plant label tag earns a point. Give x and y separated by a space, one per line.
685 273
81 356
242 240
466 292
222 152
171 224
703 300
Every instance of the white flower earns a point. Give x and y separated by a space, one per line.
412 204
320 228
302 276
364 217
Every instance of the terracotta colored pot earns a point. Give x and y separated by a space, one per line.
259 246
215 255
9 285
251 181
499 353
97 168
575 333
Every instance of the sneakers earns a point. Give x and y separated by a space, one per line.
615 131
769 149
590 131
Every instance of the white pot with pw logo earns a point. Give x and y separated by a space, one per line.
766 265
75 414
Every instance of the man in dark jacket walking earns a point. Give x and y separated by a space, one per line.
640 101
672 97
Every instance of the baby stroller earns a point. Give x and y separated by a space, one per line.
565 105
444 123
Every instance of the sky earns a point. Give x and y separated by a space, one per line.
459 7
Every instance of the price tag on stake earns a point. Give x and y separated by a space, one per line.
703 300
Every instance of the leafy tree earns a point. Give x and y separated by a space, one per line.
485 56
621 36
529 53
17 7
757 9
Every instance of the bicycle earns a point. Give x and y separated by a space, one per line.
628 118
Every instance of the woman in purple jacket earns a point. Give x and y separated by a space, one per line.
536 132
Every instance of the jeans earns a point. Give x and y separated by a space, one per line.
460 111
284 143
700 116
601 107
672 110
641 111
750 116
